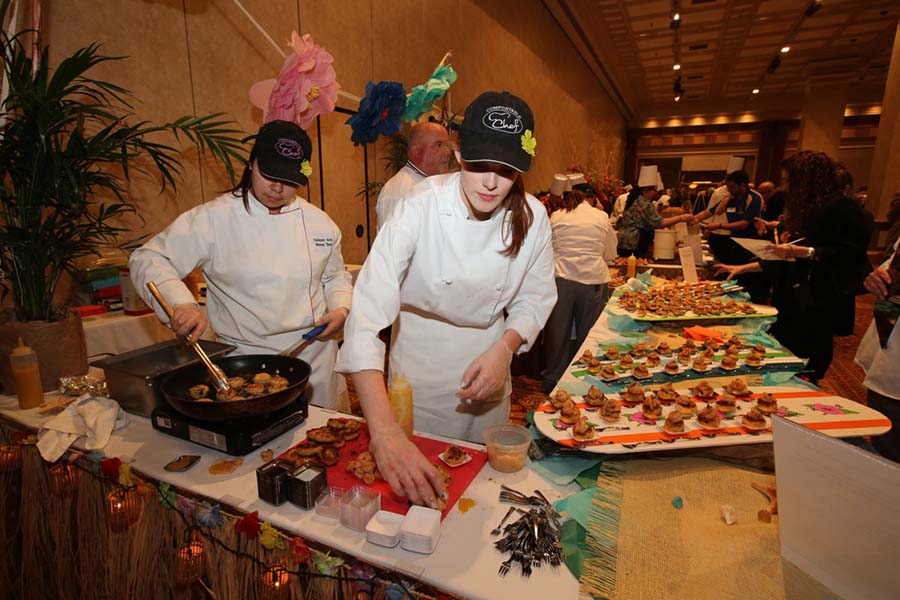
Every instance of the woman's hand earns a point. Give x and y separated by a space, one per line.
486 373
788 250
189 321
405 468
877 282
732 270
334 321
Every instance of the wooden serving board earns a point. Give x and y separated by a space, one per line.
461 476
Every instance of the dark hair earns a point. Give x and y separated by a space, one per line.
633 195
812 181
245 182
520 218
844 177
738 177
571 200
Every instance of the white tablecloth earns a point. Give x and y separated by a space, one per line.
465 561
115 333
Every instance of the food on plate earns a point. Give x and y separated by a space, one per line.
711 344
321 435
455 456
726 403
595 397
225 466
587 355
639 349
754 419
700 364
684 357
582 430
708 354
689 345
608 372
738 387
364 467
674 422
686 405
613 353
267 455
641 371
703 390
651 407
633 394
754 360
336 424
728 362
229 395
611 411
666 393
594 365
663 348
653 360
559 398
708 418
759 349
569 413
199 391
733 351
306 449
626 362
735 341
671 367
254 389
350 430
767 404
330 456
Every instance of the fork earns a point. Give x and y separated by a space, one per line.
504 566
496 530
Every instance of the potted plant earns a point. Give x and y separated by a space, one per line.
69 143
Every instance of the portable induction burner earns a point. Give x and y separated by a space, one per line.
237 437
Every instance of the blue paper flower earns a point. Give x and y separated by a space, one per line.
422 98
379 112
210 516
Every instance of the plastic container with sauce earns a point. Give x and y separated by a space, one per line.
507 447
401 397
26 375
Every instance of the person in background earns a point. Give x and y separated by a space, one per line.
719 237
773 210
880 361
619 205
428 153
665 199
583 242
830 259
466 271
272 263
641 218
846 319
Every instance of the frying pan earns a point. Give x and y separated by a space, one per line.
175 387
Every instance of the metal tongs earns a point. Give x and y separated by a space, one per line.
221 382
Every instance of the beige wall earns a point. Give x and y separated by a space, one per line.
207 59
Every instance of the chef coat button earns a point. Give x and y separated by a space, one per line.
446 281
499 287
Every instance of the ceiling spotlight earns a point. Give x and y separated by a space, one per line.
676 67
675 23
676 17
678 97
785 49
813 8
755 90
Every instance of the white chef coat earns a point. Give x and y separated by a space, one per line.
395 189
269 277
618 208
443 275
583 241
880 364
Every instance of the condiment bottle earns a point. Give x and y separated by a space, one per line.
401 398
27 376
632 267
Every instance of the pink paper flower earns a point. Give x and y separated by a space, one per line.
828 409
306 86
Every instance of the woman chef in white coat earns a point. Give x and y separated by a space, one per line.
464 248
272 263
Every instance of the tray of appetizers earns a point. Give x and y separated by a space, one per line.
694 414
688 302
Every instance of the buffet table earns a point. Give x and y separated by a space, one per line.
464 563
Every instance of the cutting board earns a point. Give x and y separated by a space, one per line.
460 477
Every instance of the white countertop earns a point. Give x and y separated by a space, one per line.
464 563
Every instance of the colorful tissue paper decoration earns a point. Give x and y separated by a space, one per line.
269 537
422 98
304 89
249 525
210 516
529 143
380 112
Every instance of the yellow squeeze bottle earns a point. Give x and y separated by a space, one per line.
27 376
401 398
632 267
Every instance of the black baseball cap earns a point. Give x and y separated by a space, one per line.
281 148
493 128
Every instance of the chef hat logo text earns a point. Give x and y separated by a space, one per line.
289 148
503 119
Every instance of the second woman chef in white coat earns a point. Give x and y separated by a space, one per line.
272 263
464 248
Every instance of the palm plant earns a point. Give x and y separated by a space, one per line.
70 143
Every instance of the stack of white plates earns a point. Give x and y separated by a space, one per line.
384 528
420 530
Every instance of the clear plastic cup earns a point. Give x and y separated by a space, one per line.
507 447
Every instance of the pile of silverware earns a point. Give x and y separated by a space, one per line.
534 537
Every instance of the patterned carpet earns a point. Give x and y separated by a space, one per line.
844 377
